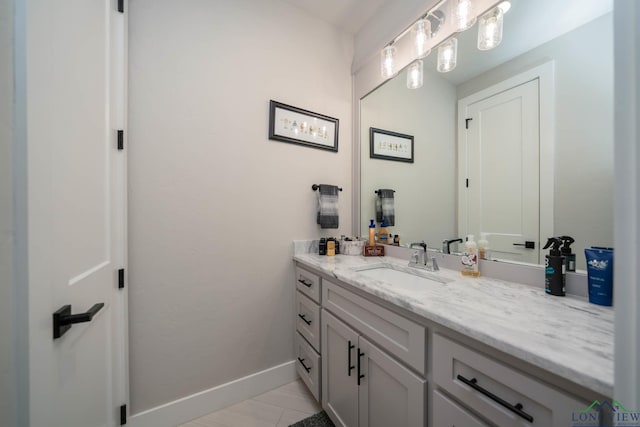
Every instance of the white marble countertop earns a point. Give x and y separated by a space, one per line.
566 336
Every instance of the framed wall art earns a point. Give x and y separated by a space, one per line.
388 145
298 126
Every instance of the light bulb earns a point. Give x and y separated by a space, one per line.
463 15
415 75
387 62
421 36
490 29
448 55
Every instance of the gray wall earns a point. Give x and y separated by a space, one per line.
213 204
584 177
425 198
7 362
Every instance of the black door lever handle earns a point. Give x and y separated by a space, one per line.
528 244
63 319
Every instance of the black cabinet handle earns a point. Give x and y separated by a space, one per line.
304 317
63 319
304 282
528 244
303 365
517 408
360 376
351 367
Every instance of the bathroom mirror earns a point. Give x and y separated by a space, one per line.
575 39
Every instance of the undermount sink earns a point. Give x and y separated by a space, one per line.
405 277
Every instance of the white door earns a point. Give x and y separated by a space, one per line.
339 371
390 395
500 172
74 97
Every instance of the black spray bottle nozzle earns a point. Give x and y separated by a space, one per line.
566 247
555 249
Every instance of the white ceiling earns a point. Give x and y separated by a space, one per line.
348 15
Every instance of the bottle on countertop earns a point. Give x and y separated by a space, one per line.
331 247
554 277
383 235
372 233
484 252
470 258
322 246
565 251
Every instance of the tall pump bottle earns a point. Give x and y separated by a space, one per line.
554 278
565 250
470 258
372 233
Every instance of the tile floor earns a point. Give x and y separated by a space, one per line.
276 408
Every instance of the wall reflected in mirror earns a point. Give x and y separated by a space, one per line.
579 44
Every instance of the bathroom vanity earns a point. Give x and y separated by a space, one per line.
380 344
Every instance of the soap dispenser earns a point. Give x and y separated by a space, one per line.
372 233
554 280
565 250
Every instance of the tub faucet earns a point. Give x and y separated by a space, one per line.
446 245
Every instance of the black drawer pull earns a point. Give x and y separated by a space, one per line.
303 365
517 409
360 376
304 317
304 282
351 367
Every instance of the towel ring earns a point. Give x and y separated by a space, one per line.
315 187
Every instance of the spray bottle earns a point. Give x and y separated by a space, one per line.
554 281
569 257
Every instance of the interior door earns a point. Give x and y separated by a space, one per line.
339 373
74 94
500 178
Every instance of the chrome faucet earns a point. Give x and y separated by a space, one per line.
446 245
420 259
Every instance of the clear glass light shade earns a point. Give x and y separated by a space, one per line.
421 36
490 29
464 15
415 75
388 62
448 55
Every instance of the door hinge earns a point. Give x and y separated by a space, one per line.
467 182
120 139
466 123
123 415
121 6
121 278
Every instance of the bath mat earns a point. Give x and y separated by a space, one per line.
321 419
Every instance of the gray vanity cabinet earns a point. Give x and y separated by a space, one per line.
368 354
307 336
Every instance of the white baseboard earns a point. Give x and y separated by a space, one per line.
183 410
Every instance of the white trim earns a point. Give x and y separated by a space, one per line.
627 203
545 73
188 408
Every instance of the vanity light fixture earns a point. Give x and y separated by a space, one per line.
421 36
415 75
448 55
490 27
387 61
463 15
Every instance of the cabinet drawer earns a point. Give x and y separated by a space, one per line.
499 393
447 413
308 320
308 283
308 365
397 335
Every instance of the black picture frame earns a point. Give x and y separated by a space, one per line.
388 145
298 126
